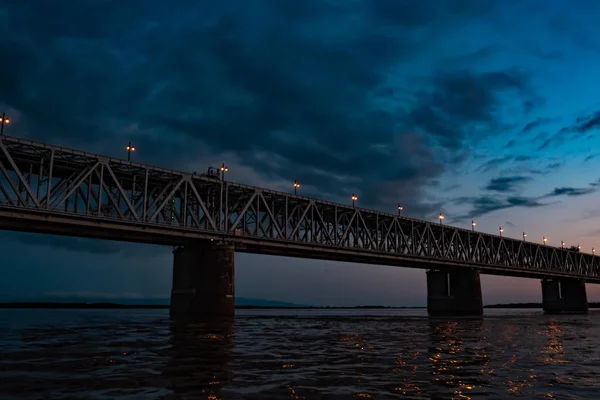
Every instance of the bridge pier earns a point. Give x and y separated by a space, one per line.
203 281
454 292
564 296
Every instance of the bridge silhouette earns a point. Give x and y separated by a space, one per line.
62 191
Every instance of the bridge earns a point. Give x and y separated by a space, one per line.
57 190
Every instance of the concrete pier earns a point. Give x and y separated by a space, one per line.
203 281
454 292
564 296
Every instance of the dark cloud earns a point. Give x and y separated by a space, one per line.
536 124
555 139
493 164
523 158
569 191
579 129
410 14
595 184
517 201
507 183
590 157
461 100
486 204
197 80
554 165
579 33
476 56
588 123
540 137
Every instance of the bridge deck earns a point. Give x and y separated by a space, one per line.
50 189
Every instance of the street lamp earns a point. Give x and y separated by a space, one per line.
441 217
545 239
223 170
593 250
129 149
562 244
578 247
500 229
473 223
296 186
3 120
524 236
400 208
354 198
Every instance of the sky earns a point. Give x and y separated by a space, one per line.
484 110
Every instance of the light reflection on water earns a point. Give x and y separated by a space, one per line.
306 354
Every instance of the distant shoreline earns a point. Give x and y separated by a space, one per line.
73 305
107 305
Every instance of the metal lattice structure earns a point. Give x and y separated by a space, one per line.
50 189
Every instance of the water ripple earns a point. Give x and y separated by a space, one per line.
131 354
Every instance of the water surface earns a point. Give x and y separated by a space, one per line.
298 354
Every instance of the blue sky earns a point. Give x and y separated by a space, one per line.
481 110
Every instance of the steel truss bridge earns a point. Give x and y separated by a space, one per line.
50 189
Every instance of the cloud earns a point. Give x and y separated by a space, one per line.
536 124
417 14
517 201
595 183
188 85
569 191
555 139
579 129
588 123
486 204
555 165
523 158
493 163
506 184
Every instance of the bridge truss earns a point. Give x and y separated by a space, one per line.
51 189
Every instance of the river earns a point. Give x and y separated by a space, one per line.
297 354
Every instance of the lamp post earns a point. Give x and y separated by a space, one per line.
130 148
500 229
296 186
354 198
594 250
3 120
545 239
562 244
441 217
473 223
400 208
223 170
524 236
